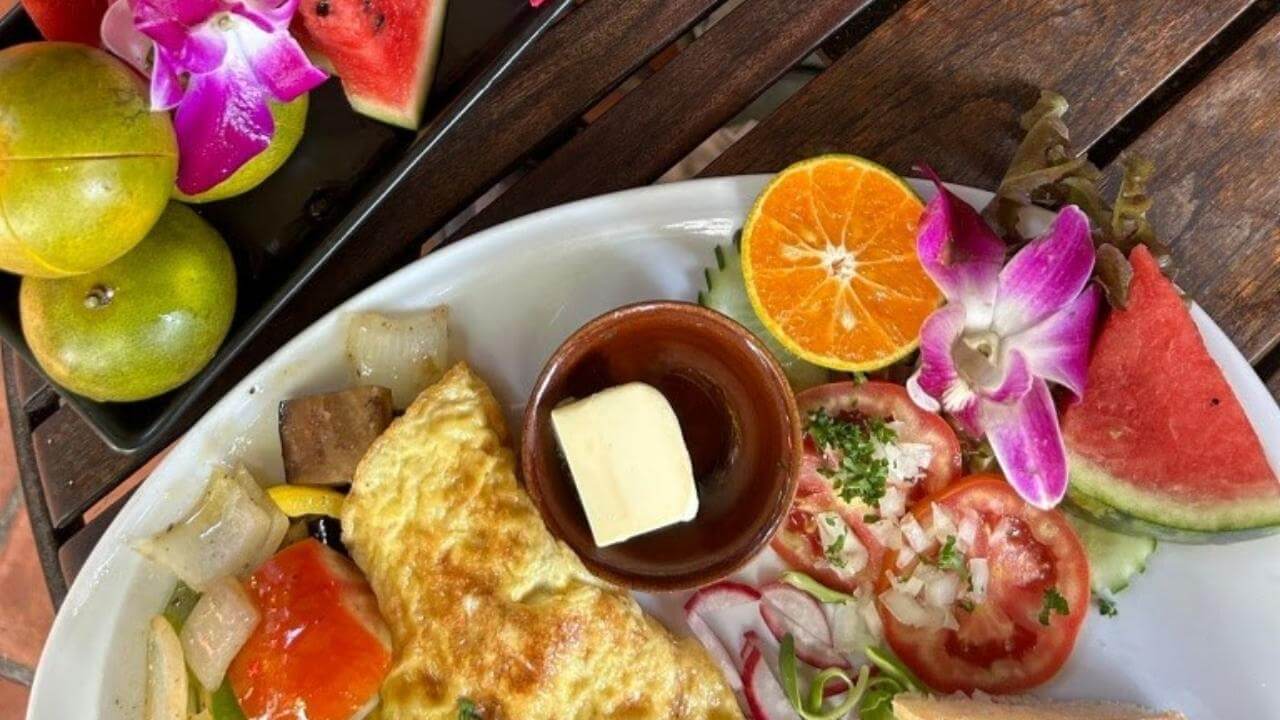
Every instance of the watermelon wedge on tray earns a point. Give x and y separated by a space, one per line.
1159 445
383 51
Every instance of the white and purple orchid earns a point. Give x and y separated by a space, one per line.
1006 332
217 63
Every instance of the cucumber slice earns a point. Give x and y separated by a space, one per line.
727 293
1113 558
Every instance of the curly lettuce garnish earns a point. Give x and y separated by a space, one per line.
1047 171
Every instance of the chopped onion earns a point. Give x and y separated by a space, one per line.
942 526
915 535
942 589
404 352
911 586
166 691
979 572
231 530
279 521
218 627
852 555
893 504
968 532
905 557
909 611
871 616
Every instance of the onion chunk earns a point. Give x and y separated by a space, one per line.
218 627
403 352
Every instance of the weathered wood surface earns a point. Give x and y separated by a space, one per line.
76 466
655 125
1215 191
944 82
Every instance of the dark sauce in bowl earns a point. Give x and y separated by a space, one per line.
739 423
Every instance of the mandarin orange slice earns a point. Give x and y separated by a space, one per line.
829 260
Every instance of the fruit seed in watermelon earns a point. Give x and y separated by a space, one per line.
1159 445
383 51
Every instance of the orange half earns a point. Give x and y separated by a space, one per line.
829 259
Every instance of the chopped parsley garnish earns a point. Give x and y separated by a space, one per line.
871 518
950 557
467 709
833 552
966 605
1107 607
859 474
1053 603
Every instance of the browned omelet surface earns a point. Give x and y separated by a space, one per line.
483 603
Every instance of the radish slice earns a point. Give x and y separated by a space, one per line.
765 697
769 649
787 610
713 600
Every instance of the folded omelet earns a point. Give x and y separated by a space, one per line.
487 610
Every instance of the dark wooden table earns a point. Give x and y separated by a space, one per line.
1192 84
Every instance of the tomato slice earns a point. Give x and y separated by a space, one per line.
889 402
799 541
1000 646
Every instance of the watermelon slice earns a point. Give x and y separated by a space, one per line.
384 51
69 20
1159 444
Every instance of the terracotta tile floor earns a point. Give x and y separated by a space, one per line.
25 609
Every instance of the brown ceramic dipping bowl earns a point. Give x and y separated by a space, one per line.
738 418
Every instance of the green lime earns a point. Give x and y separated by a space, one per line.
143 324
291 121
85 166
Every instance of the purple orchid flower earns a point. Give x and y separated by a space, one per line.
1007 330
218 62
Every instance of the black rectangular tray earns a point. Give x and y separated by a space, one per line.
283 231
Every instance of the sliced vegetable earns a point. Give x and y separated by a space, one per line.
891 666
297 501
315 603
1114 559
323 437
810 706
995 643
792 613
765 697
727 293
404 352
218 627
891 404
167 691
233 528
820 592
712 600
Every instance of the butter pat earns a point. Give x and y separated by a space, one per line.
628 460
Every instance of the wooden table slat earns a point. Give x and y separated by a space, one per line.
76 467
29 382
673 111
944 82
1216 199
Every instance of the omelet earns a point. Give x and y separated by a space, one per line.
487 611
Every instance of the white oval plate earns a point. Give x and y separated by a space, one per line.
1197 632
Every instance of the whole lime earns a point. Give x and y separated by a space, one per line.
291 120
85 166
141 325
